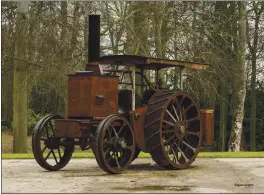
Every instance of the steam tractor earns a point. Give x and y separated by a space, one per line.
107 114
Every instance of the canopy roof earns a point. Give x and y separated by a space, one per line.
148 62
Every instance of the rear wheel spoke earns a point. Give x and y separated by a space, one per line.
168 122
176 114
59 152
174 155
182 153
189 146
192 133
51 128
44 149
168 131
47 131
185 110
171 116
180 103
168 140
191 119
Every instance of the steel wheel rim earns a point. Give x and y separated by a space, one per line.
116 144
180 142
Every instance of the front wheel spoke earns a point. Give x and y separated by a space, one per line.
171 116
114 130
168 122
116 159
182 153
48 155
189 146
54 157
121 128
109 132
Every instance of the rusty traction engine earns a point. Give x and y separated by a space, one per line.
117 112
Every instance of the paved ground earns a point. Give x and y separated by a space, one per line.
84 176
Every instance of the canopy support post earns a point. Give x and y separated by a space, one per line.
133 69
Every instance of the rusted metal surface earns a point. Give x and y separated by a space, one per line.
138 119
148 62
75 128
207 117
173 129
67 128
92 96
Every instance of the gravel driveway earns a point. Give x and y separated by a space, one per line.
84 176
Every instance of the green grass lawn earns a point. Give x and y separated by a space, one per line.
146 155
7 143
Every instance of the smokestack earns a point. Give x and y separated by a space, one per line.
94 38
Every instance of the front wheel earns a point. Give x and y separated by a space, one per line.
50 152
115 144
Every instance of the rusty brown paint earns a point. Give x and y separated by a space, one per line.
67 128
207 117
138 119
92 96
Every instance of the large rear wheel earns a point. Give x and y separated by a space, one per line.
173 130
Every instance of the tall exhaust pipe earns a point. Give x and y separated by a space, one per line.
94 38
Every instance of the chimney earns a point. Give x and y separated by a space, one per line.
94 38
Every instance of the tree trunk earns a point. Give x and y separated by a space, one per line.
20 97
239 86
223 116
221 11
253 51
64 44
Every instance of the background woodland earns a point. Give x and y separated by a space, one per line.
43 42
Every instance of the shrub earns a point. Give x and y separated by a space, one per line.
33 118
